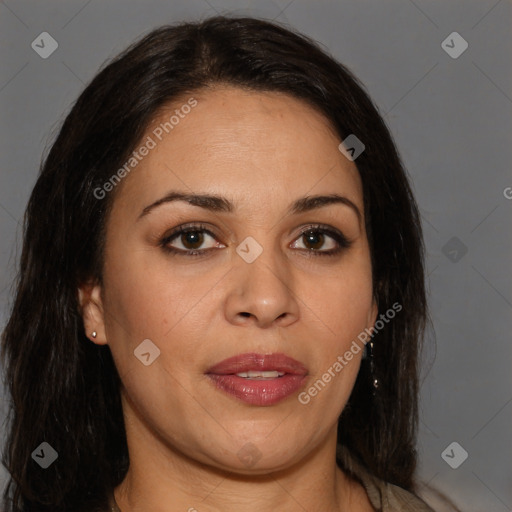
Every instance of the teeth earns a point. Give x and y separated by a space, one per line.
260 375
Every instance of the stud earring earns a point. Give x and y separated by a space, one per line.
94 334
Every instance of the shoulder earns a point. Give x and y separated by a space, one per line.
394 498
384 496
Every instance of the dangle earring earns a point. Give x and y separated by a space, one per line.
368 354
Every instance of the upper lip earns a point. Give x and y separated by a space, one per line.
258 362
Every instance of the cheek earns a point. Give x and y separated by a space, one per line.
145 293
342 302
156 301
343 305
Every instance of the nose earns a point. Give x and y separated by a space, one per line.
262 292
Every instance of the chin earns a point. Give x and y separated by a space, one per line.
251 460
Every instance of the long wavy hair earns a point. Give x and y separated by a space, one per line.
65 390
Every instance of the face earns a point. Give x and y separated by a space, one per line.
253 277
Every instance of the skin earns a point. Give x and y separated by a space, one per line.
261 151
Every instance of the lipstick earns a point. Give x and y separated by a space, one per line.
259 379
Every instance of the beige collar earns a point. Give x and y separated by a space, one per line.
383 496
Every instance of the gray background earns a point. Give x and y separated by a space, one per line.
451 119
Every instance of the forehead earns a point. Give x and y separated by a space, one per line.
241 143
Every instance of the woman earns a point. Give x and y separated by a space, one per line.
221 292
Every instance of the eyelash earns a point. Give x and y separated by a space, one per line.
339 237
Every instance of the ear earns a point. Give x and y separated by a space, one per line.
91 306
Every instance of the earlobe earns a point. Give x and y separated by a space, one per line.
91 309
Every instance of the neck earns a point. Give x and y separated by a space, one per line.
160 477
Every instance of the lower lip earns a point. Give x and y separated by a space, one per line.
259 392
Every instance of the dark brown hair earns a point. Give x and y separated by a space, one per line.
64 389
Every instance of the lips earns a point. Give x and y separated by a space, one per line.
258 379
258 362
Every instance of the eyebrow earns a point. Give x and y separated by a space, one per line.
221 204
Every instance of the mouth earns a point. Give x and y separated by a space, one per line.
249 364
258 379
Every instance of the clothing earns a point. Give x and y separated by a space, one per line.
384 497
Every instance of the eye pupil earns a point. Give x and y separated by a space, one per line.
194 238
314 238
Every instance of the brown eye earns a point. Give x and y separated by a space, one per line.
192 239
316 241
315 238
189 241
